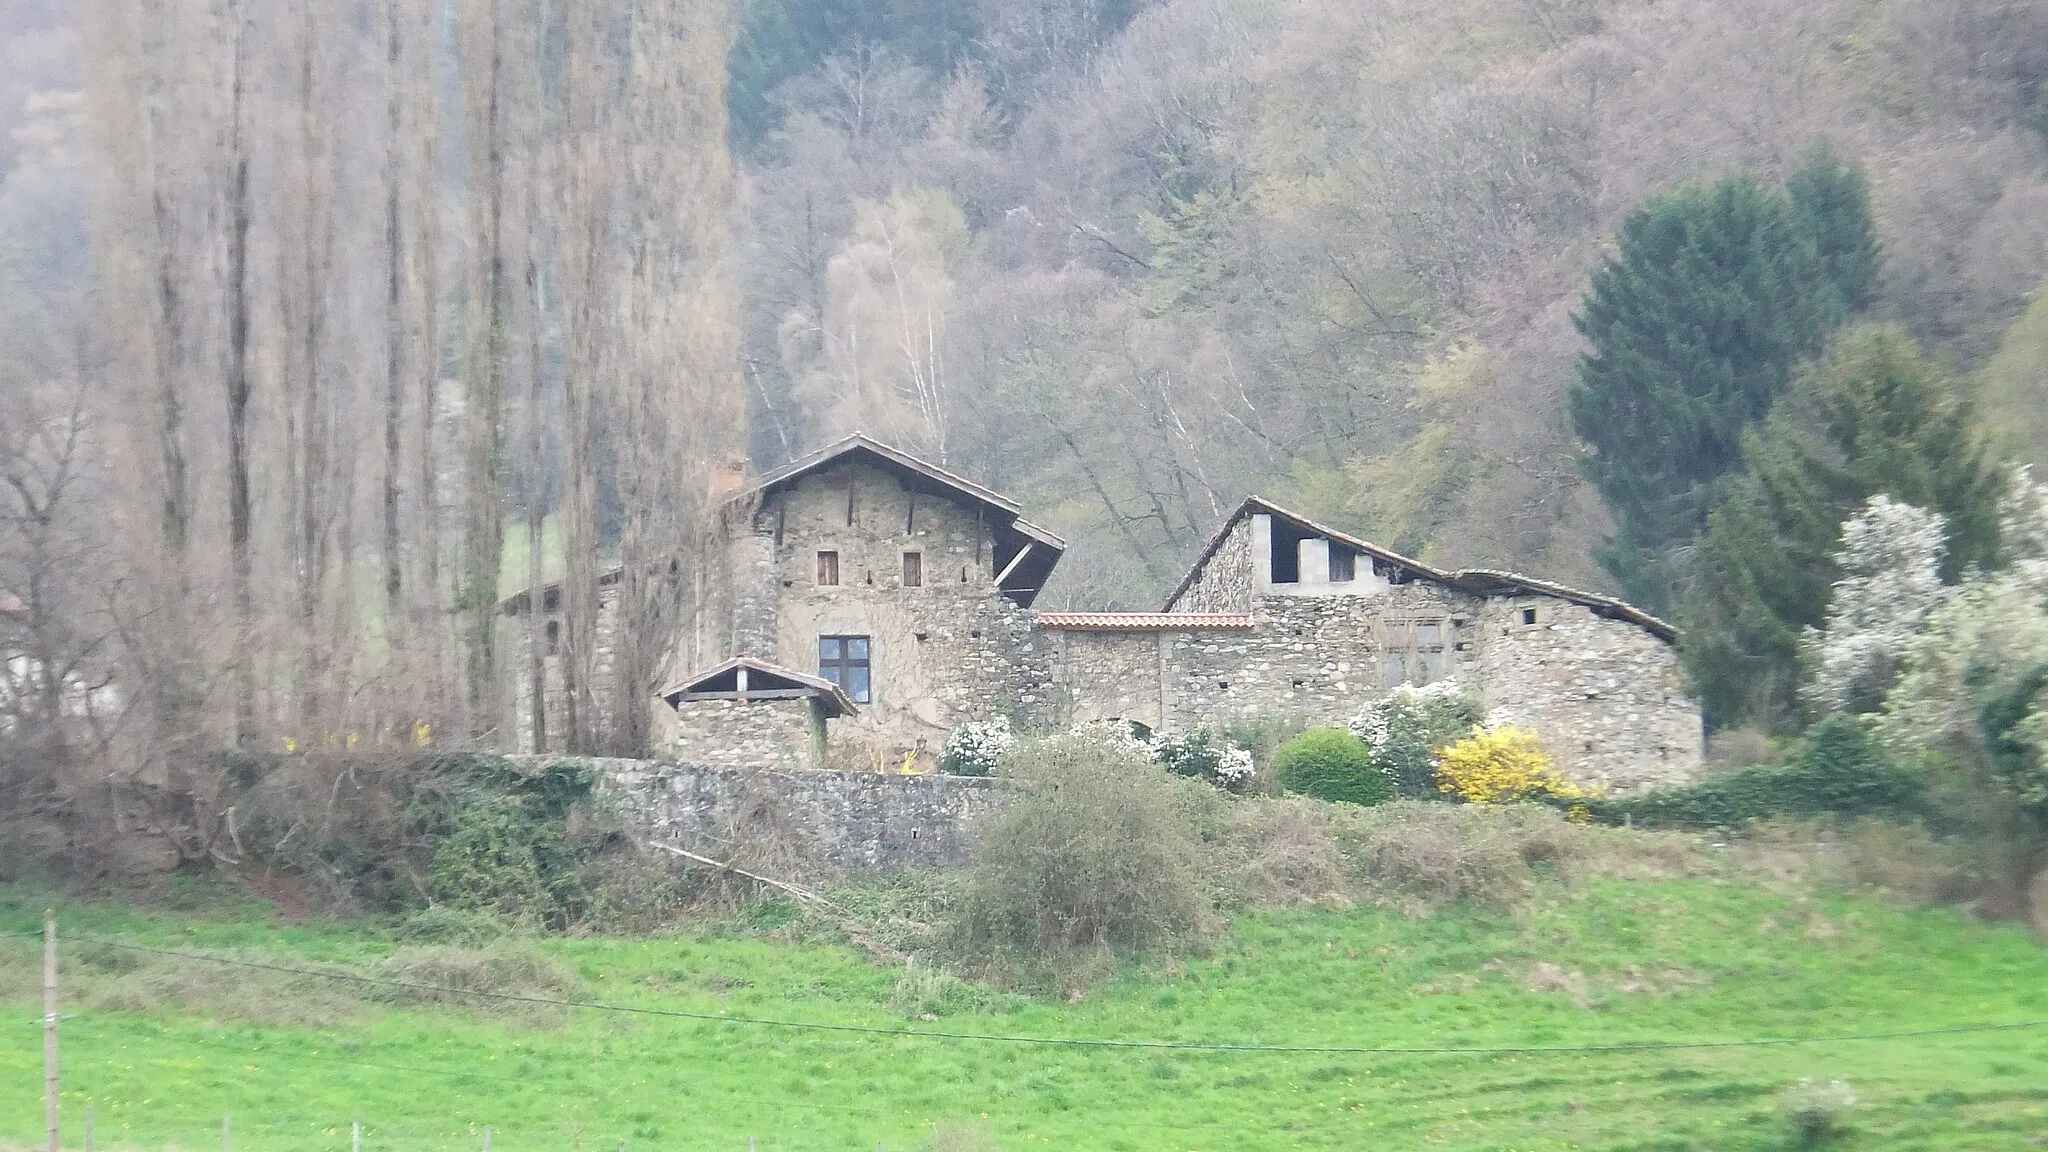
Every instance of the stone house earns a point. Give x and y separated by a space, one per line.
878 601
1282 617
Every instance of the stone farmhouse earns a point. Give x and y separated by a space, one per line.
878 601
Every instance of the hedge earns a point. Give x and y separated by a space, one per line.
1840 769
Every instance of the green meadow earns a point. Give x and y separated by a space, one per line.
161 1047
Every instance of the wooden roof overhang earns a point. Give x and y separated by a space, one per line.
747 680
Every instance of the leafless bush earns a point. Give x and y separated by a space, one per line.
1097 854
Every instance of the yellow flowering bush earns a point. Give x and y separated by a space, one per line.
1501 766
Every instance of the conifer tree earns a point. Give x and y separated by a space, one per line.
1696 323
1832 199
1877 418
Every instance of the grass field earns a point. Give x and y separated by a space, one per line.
161 1048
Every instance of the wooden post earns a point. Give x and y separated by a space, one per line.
487 1138
224 1132
88 1127
355 1136
50 1025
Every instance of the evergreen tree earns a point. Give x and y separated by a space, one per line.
1832 199
1696 323
1877 417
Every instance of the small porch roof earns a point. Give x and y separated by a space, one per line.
746 679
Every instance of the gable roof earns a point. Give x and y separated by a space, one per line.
1475 581
1040 549
765 681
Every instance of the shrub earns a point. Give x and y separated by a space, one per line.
1403 729
1098 851
1817 1112
977 747
1839 769
1501 766
1200 754
1332 764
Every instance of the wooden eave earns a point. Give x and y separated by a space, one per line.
765 681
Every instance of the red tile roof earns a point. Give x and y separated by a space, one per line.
1142 621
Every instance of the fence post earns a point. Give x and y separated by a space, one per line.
224 1142
50 1025
487 1138
89 1109
355 1136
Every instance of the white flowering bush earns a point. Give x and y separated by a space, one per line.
977 747
1403 729
1891 584
1201 754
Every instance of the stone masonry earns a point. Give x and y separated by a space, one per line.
852 820
1278 619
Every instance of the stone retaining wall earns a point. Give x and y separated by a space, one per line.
852 820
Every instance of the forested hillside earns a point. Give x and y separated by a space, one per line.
1131 264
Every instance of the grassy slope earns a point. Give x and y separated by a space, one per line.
1730 961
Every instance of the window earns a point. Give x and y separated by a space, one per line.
1528 615
1414 651
844 661
1343 564
913 569
828 569
554 637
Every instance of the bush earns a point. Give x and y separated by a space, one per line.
1817 1112
1201 755
1502 766
1403 729
1098 852
977 747
1839 769
1331 764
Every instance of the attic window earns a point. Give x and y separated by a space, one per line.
1343 564
913 569
1528 615
828 569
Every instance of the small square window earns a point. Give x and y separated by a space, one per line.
1528 615
828 569
913 569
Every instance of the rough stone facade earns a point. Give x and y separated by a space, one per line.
785 734
1278 619
1605 694
951 648
849 820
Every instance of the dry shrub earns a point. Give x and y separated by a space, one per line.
1419 856
959 1138
1278 853
1569 982
440 974
1097 854
1886 858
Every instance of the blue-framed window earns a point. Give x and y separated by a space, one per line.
845 661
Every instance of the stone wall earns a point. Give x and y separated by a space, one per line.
1608 698
952 649
1224 582
783 734
1111 675
844 820
516 649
